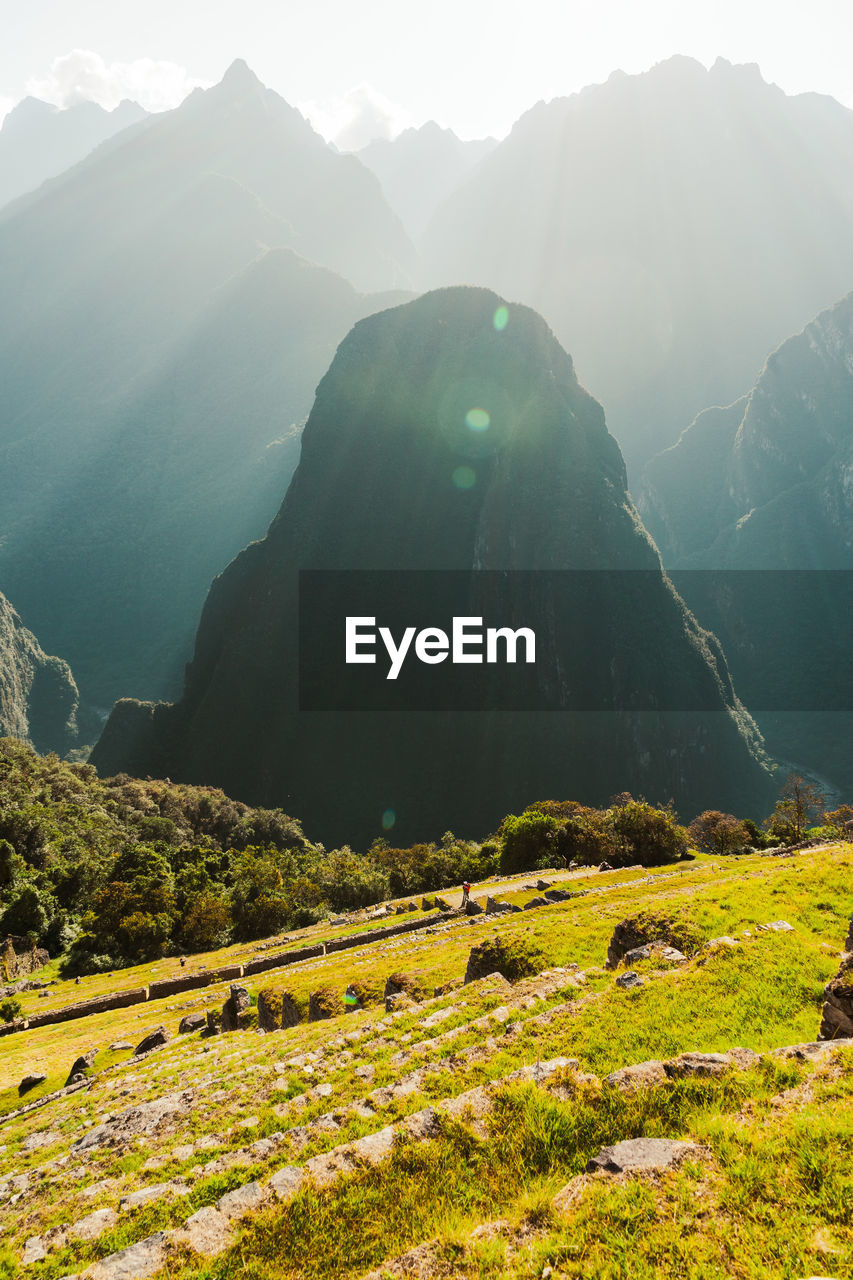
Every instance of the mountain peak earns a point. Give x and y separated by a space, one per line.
240 76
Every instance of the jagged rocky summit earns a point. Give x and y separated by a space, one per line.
753 512
393 476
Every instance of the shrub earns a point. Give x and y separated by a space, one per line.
526 839
10 1008
645 834
513 957
672 929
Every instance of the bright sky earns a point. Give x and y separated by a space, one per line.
362 67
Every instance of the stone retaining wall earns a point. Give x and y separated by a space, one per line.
196 981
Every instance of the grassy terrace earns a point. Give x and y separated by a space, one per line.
309 1084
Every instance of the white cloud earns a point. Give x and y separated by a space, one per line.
83 76
362 114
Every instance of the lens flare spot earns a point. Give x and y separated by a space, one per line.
501 319
464 477
389 817
477 420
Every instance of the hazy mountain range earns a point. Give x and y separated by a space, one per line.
38 141
421 168
160 342
672 227
172 299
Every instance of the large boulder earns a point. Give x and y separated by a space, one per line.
277 1009
324 1003
191 1022
514 958
153 1040
81 1066
238 1001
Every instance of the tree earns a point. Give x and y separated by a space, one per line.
798 801
842 820
717 832
646 834
526 839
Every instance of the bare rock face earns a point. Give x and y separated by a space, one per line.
38 695
30 1082
837 1020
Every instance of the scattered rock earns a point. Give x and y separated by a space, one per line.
640 1075
94 1224
153 1040
474 908
495 907
191 1022
207 1232
214 1022
30 1082
535 902
645 1153
81 1065
837 1019
287 1181
698 1064
136 1121
119 1046
237 1002
718 944
637 953
34 1251
246 1199
629 980
156 1191
137 1262
543 884
777 926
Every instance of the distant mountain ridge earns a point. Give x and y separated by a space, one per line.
160 342
39 141
379 486
672 227
765 482
420 168
753 512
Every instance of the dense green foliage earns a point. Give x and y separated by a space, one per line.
121 871
118 871
628 832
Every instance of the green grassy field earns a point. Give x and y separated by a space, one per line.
772 1198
